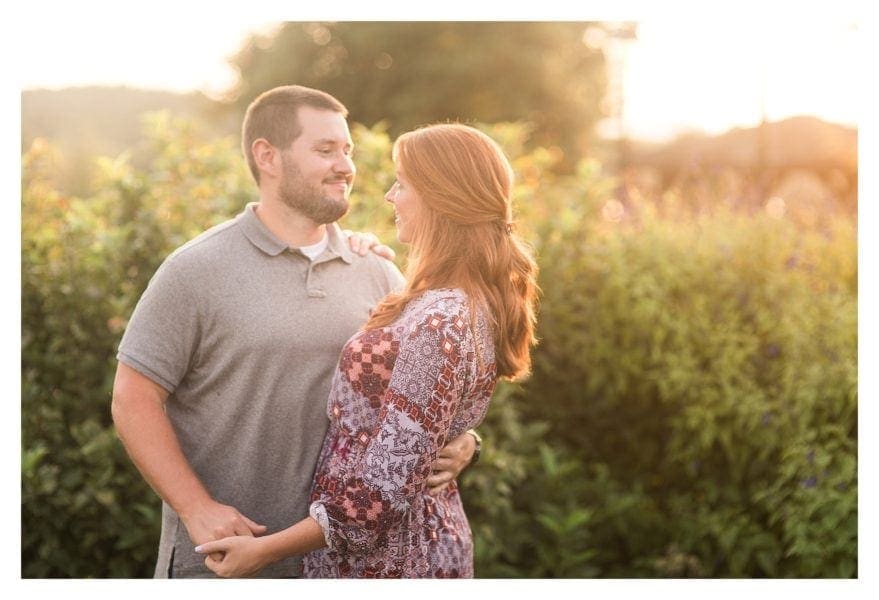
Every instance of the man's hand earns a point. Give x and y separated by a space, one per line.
214 521
452 459
145 430
361 243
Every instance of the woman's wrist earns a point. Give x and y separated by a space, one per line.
271 549
303 537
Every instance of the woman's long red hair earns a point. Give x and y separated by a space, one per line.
464 236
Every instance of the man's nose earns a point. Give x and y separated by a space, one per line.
345 165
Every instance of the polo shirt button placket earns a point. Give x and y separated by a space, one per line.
313 292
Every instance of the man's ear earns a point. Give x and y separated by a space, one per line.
266 157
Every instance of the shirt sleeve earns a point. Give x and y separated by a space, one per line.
418 408
161 337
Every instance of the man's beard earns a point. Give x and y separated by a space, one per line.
308 200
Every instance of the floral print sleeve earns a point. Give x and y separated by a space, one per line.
395 399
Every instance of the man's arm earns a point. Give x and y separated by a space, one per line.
138 410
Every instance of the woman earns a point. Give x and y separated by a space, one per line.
421 372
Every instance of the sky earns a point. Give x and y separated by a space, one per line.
707 71
727 71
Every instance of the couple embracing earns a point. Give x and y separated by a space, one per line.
299 406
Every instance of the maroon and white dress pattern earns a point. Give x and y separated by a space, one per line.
398 395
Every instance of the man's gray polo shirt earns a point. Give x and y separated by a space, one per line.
245 334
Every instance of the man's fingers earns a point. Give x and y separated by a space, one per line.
242 528
433 491
439 478
443 464
241 525
453 449
255 528
446 452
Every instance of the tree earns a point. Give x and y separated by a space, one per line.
411 74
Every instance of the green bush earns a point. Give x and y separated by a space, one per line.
692 410
86 512
709 360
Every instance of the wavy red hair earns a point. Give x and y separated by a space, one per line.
464 236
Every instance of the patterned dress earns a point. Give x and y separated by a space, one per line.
399 394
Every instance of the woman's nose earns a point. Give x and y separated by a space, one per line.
391 194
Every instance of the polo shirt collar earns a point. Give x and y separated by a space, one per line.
260 236
337 243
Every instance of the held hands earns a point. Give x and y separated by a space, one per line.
361 243
213 521
452 459
242 556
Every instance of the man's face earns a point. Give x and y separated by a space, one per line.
318 170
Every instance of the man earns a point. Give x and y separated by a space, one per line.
225 366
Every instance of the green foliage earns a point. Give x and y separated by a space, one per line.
701 357
692 410
85 122
85 262
375 174
420 72
84 512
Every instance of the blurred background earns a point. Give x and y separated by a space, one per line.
690 189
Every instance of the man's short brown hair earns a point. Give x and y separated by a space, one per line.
274 116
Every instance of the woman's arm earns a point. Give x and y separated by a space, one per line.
245 556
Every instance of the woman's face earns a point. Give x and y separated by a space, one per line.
406 203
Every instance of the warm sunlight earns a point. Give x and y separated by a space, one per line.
709 75
672 203
187 56
714 75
